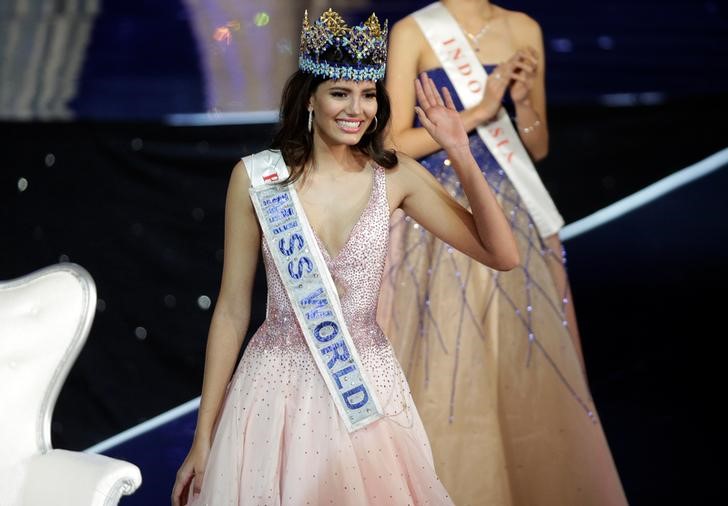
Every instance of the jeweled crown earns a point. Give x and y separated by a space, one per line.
364 44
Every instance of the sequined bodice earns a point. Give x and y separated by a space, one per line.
356 271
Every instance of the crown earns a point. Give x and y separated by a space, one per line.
364 44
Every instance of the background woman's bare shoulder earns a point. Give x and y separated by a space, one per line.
405 26
524 27
406 30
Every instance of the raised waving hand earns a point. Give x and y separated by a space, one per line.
438 116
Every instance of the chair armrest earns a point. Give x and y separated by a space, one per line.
62 477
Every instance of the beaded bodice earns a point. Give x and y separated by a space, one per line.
356 270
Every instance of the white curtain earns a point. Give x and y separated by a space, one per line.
42 48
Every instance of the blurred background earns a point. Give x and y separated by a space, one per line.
120 122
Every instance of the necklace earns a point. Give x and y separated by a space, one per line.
474 38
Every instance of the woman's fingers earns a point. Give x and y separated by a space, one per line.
521 78
424 120
197 483
448 98
420 93
427 89
517 56
180 484
525 66
427 93
525 54
505 68
435 93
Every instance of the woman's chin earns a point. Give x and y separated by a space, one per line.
346 138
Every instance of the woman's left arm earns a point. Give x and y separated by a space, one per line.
528 89
484 234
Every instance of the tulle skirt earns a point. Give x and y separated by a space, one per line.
280 440
492 366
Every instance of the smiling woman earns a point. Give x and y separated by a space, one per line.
318 410
309 101
349 105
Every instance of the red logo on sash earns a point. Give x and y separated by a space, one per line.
503 144
454 54
272 177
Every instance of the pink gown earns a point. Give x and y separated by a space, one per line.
280 440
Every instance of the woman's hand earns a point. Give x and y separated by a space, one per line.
523 74
440 118
517 73
190 473
495 88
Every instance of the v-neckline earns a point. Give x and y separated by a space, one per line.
324 246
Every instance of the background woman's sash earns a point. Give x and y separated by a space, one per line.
468 77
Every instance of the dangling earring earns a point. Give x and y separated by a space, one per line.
376 125
310 120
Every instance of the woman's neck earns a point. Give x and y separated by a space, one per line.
469 9
334 157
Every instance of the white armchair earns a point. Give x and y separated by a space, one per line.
45 318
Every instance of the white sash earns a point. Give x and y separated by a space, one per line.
311 289
468 77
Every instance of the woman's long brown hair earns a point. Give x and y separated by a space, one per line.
296 142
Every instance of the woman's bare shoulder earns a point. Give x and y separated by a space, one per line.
239 180
521 23
406 25
402 178
406 162
240 173
406 168
407 32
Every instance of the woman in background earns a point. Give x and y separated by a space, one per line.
493 359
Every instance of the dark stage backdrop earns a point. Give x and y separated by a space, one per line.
141 206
